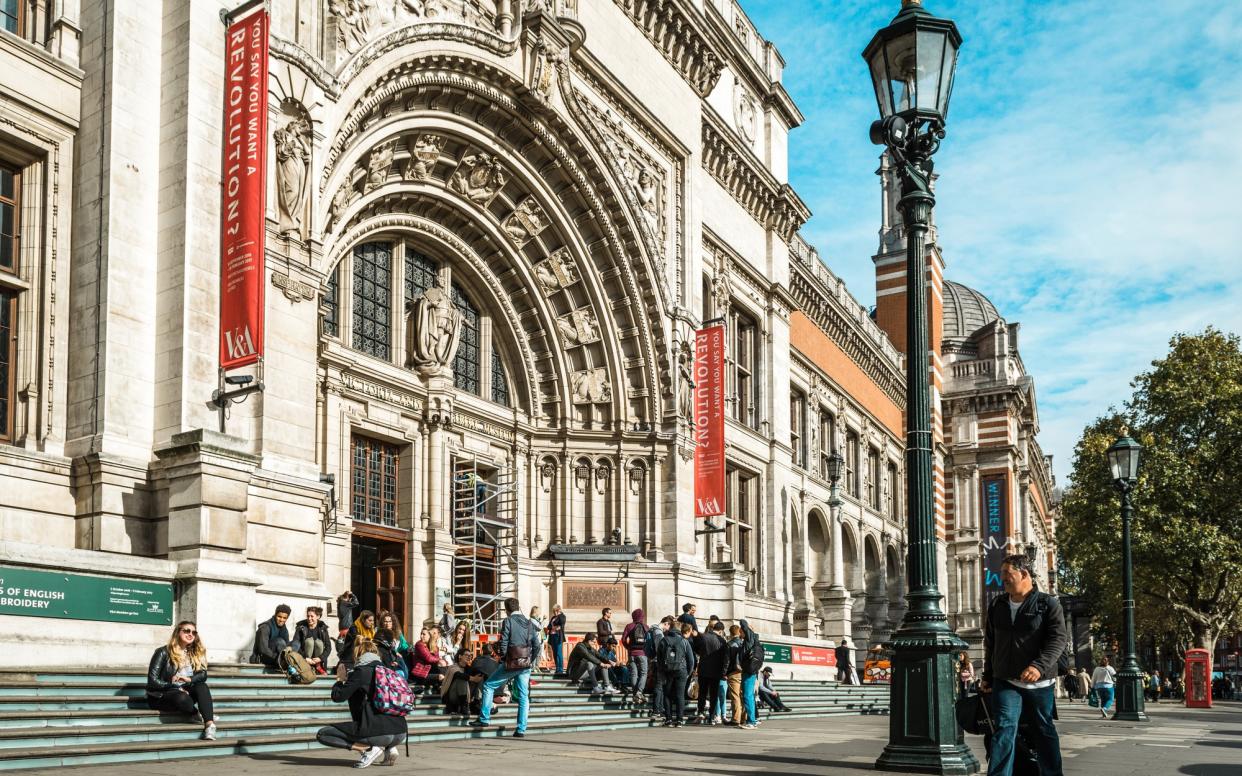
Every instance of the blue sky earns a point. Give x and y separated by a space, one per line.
1088 183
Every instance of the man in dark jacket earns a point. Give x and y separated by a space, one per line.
687 618
711 651
520 644
586 662
347 608
651 648
1023 637
845 662
603 626
676 659
312 641
271 637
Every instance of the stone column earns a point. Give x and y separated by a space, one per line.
208 476
836 601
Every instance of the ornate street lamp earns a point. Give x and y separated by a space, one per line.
1123 460
835 463
912 61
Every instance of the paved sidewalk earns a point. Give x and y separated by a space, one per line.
1177 741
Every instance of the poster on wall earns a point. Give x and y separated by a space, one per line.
36 593
243 191
995 535
709 420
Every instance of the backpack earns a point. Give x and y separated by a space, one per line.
651 644
1063 660
669 660
295 667
754 661
637 638
392 694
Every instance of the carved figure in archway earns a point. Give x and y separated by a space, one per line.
591 386
685 385
292 165
647 191
434 331
423 157
556 272
524 223
579 327
479 178
378 164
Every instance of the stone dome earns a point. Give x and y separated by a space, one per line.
965 311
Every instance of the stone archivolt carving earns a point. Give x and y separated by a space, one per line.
738 171
556 272
423 157
479 177
579 327
292 143
681 38
434 331
525 223
359 21
591 386
379 162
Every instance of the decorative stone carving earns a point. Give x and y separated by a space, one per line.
423 157
579 327
341 200
745 113
556 272
479 178
434 331
292 143
525 223
547 474
646 188
591 386
358 21
685 383
378 164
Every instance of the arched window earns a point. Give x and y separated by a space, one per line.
373 299
500 381
466 362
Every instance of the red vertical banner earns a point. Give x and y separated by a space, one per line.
244 195
709 421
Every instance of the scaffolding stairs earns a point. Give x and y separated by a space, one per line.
485 563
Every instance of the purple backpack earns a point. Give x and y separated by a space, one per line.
392 694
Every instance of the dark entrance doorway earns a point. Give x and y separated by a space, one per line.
378 573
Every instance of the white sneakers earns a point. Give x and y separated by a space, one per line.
209 732
390 756
369 756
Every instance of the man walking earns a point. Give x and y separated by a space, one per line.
519 651
845 662
1024 636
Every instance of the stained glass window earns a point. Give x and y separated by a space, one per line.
500 383
373 299
420 274
374 488
466 362
332 305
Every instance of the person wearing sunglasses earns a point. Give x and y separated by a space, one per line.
177 677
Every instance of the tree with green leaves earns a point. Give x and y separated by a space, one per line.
1187 527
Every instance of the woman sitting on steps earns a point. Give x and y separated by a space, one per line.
177 677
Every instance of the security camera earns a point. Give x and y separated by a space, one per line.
239 379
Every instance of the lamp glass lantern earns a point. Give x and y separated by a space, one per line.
1123 460
912 62
835 463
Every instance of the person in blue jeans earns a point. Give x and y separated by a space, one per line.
750 674
1103 680
556 638
1024 637
519 651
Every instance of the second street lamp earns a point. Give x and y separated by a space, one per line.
1123 460
912 62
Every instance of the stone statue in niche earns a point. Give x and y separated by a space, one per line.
556 272
525 223
378 165
591 386
434 331
685 383
423 157
648 193
292 143
479 178
579 327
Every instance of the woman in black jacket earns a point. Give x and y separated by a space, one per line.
370 733
177 677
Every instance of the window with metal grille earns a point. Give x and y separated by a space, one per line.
372 317
332 305
797 415
466 361
420 274
500 382
374 491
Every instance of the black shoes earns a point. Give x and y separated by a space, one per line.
478 723
519 734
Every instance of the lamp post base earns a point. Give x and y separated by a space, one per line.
923 735
1130 703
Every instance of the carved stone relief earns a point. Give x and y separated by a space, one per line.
591 386
525 223
379 162
292 142
479 178
423 157
359 21
685 383
434 331
745 113
579 327
556 272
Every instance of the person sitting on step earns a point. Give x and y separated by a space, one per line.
369 732
312 641
456 689
586 662
768 694
364 627
177 677
271 637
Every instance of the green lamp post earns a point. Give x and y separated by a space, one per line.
912 61
1123 460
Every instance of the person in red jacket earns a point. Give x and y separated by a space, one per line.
425 668
633 638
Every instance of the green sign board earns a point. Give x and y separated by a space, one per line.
79 597
777 653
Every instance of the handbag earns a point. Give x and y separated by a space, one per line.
420 670
692 689
517 657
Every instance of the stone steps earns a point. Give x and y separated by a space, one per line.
52 718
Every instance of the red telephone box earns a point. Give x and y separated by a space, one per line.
1198 679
